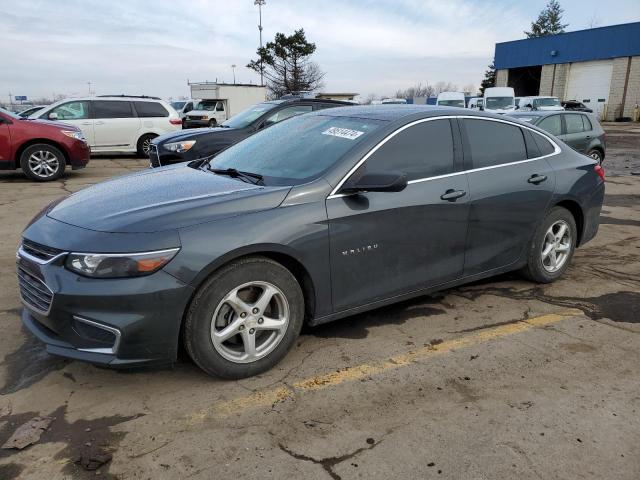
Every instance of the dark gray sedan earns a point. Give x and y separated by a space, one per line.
579 130
312 220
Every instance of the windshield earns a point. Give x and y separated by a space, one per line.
207 105
451 103
247 116
9 114
546 102
495 103
178 105
298 150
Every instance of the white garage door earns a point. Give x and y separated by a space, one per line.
589 83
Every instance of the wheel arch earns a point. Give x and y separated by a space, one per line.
35 141
578 215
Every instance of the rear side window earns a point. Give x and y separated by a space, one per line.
421 151
112 109
150 109
494 143
552 124
574 123
544 145
587 123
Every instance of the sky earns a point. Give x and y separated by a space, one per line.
52 47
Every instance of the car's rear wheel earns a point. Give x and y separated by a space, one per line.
42 162
144 144
244 319
553 245
596 155
213 123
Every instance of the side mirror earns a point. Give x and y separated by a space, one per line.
480 107
53 116
377 182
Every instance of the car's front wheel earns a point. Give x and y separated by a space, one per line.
553 245
42 162
244 319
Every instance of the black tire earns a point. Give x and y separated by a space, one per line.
37 160
144 143
208 298
596 155
213 123
536 270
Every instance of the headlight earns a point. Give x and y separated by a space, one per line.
119 265
180 147
74 134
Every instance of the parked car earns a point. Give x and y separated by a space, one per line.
312 220
116 124
499 100
183 107
450 99
30 111
197 143
579 130
476 103
41 149
538 103
575 106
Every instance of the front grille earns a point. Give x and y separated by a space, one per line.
154 158
34 292
39 251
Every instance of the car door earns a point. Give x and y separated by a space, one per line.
510 184
384 244
6 150
75 113
574 133
115 124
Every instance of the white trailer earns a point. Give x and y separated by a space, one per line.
221 101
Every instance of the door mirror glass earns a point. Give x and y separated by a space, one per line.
53 116
377 182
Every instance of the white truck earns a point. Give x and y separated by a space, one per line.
526 104
450 99
499 100
221 101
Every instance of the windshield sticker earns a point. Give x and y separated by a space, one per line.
343 133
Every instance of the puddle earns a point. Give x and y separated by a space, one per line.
357 327
88 442
28 365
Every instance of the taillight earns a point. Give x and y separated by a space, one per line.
175 121
600 171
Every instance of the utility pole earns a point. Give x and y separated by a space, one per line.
260 3
233 67
89 83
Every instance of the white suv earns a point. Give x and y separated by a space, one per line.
116 124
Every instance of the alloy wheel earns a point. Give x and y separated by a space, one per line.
249 322
44 163
556 246
146 146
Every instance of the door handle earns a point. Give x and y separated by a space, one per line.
99 123
452 195
536 179
86 123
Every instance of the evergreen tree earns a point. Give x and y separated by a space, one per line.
489 79
549 21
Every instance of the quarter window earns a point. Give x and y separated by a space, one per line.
552 124
423 150
544 145
150 109
494 143
574 123
71 111
112 109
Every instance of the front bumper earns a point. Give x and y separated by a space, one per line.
115 322
79 153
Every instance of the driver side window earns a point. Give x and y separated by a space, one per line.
285 113
71 111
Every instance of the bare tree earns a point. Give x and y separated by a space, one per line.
470 89
418 90
444 87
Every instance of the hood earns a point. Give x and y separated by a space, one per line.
51 123
201 113
163 199
189 134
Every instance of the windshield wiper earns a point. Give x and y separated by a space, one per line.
250 177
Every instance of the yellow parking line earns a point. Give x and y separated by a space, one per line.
266 398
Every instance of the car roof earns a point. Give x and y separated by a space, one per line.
281 101
396 112
537 113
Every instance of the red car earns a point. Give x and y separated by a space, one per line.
41 148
